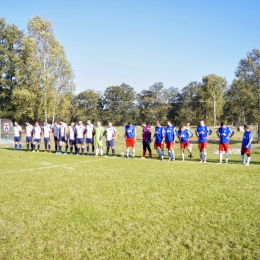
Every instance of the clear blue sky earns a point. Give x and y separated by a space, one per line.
141 42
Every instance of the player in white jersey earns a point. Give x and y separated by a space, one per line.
55 130
111 134
46 135
17 136
63 137
79 132
29 133
89 137
71 137
37 132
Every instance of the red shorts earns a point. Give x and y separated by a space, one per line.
245 150
130 142
202 145
156 145
169 145
223 147
184 145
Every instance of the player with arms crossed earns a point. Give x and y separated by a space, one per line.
17 136
202 132
184 135
71 137
224 133
246 145
37 132
159 134
170 133
89 137
98 135
29 133
79 133
130 138
63 137
146 135
55 130
46 137
111 134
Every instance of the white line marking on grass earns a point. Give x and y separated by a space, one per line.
53 166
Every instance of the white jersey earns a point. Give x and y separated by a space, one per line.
17 130
110 133
46 131
29 129
79 129
72 132
56 130
62 129
89 129
37 132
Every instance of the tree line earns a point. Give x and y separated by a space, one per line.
36 83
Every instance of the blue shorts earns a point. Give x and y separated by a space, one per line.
110 143
37 140
17 139
79 140
46 139
72 142
89 140
28 139
62 139
55 138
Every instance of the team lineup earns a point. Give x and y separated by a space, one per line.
77 137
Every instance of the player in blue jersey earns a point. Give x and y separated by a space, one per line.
159 135
224 133
170 133
187 126
202 132
246 145
130 138
184 135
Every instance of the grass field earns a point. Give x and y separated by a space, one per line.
84 207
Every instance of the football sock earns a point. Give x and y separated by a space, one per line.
49 147
15 147
20 146
162 152
243 158
201 155
108 151
182 155
66 148
220 156
87 149
127 152
150 153
93 149
226 157
27 147
56 147
60 147
45 146
71 149
144 152
78 150
173 155
133 152
39 147
205 156
158 150
113 152
101 151
248 159
96 151
169 154
82 150
33 146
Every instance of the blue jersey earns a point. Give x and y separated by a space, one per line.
247 137
159 134
224 133
184 135
130 131
202 133
170 132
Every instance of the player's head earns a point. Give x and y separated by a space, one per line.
27 123
181 127
169 122
201 123
222 124
158 123
55 123
72 124
61 121
98 123
246 127
129 123
143 124
187 124
45 122
36 123
109 124
79 122
88 122
15 123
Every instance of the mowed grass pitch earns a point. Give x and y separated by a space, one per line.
74 207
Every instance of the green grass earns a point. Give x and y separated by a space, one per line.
74 207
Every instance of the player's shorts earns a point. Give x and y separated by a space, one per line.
245 150
184 145
46 139
130 142
110 143
28 139
62 139
169 145
55 138
72 141
202 145
17 139
223 147
89 140
37 140
160 145
79 140
98 143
